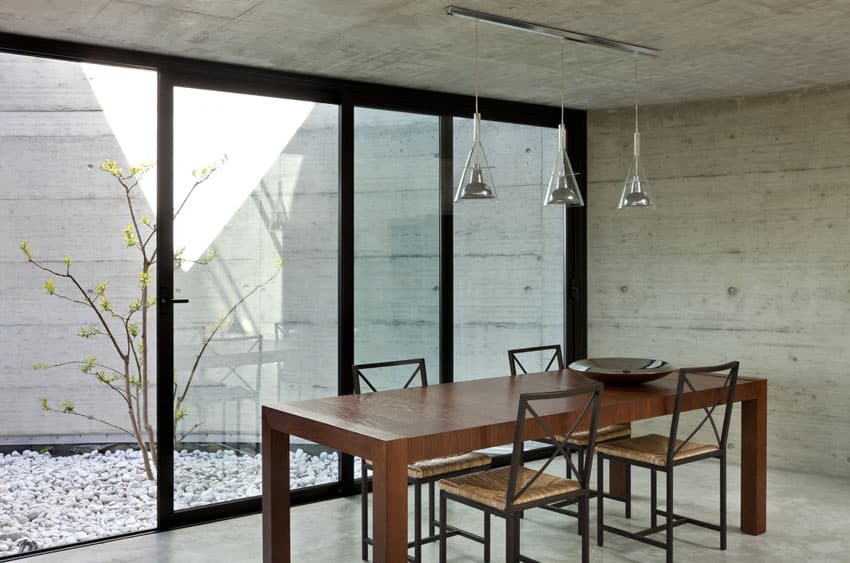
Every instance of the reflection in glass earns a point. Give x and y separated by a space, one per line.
255 193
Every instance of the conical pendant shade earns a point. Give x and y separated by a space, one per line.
635 188
476 182
563 187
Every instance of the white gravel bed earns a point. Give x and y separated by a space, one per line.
47 501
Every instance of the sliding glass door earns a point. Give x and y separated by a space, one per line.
255 284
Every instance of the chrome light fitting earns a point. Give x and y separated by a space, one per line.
635 190
541 29
563 187
476 182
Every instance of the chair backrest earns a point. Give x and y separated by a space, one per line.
582 400
357 371
723 398
552 352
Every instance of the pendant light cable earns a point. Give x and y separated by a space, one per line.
563 78
563 188
636 92
476 66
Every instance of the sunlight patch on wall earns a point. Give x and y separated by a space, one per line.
251 131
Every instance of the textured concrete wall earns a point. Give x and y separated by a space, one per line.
51 130
753 194
508 259
508 262
396 238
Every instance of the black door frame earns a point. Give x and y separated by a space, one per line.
179 71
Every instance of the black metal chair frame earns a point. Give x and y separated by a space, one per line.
513 513
433 523
557 360
727 392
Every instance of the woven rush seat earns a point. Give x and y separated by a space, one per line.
444 465
652 449
604 434
490 487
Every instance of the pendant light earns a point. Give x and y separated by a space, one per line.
635 189
476 181
563 188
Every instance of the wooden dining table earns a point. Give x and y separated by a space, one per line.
396 428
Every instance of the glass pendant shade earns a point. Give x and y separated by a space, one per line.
563 187
476 182
635 188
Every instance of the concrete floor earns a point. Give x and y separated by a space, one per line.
808 520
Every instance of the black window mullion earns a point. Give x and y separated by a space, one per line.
575 246
346 272
164 306
446 338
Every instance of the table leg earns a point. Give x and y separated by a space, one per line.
754 463
389 504
618 474
275 495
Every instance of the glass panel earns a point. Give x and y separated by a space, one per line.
396 244
255 233
508 252
396 238
70 463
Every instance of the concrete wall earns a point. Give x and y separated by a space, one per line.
51 130
753 194
508 262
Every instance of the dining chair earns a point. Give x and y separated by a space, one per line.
664 453
419 473
508 492
549 357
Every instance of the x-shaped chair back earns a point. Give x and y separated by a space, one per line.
553 352
722 399
585 400
360 377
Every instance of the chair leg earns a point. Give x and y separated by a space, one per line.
669 515
417 522
653 496
486 537
431 509
517 536
628 490
567 463
511 538
584 515
600 500
364 511
443 527
723 502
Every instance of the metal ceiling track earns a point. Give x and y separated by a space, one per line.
541 29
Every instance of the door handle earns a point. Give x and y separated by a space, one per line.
166 301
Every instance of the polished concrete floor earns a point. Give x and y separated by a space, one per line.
808 521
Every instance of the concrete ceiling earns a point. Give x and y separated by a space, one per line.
709 48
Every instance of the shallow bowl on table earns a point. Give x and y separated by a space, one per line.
622 371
